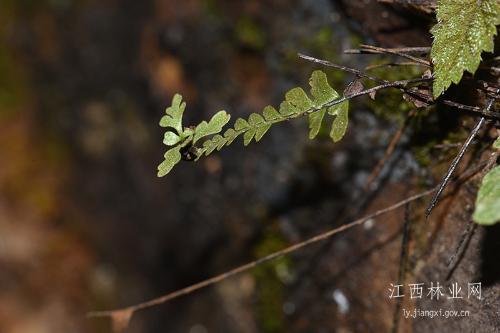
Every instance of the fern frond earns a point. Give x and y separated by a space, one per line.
297 103
464 30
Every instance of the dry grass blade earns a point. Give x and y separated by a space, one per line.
121 314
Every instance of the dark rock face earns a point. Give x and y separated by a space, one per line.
450 232
390 23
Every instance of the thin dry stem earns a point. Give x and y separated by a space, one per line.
272 256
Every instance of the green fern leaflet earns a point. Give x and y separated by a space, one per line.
465 28
487 210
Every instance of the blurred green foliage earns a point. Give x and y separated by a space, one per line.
250 33
487 210
270 287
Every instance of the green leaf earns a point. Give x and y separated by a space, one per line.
270 113
487 211
211 145
214 126
248 136
322 93
241 124
465 28
287 109
255 119
217 142
230 135
261 130
221 141
261 127
299 99
496 144
172 157
337 108
170 138
315 121
339 126
320 89
173 117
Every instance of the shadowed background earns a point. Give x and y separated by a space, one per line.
86 225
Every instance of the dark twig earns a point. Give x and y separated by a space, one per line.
354 71
488 85
460 249
396 84
422 97
380 50
457 159
415 50
405 242
392 64
402 265
429 100
447 145
472 109
453 166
